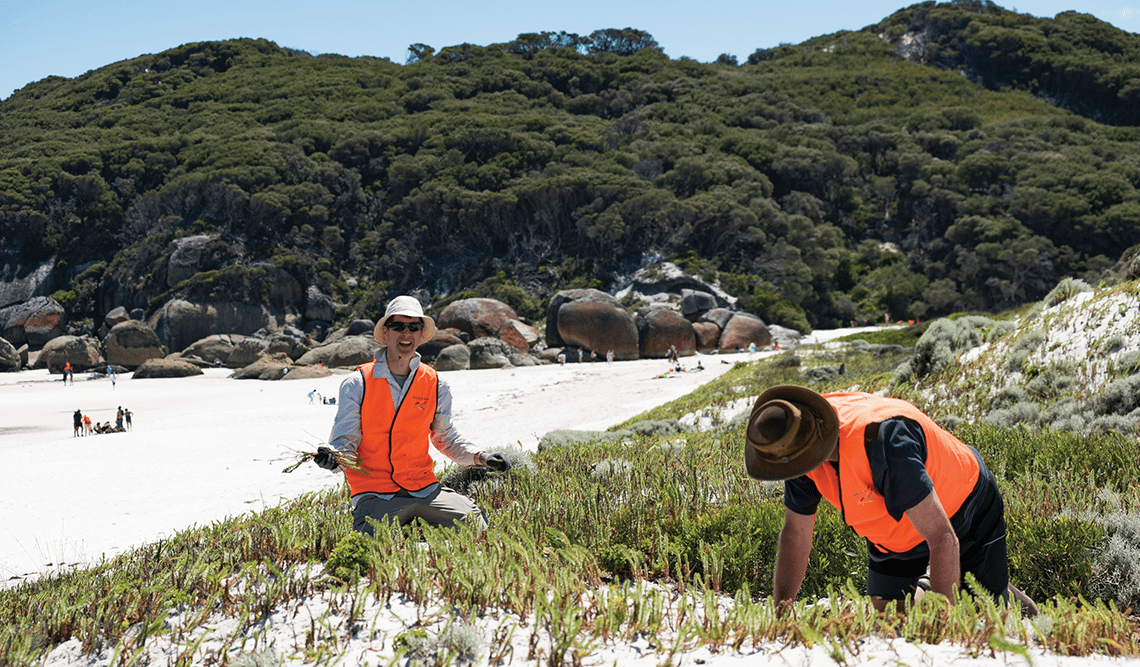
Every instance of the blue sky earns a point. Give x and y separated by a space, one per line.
40 38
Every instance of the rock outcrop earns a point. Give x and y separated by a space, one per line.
185 257
479 318
318 305
165 368
179 323
19 284
130 343
34 322
214 347
347 353
9 357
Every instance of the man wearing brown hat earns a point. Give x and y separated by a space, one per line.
388 412
922 499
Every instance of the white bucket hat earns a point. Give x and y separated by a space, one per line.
409 307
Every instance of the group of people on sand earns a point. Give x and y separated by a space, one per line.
929 509
84 426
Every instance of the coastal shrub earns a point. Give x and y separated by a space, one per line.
1129 423
1116 562
939 346
1113 343
999 329
351 558
1048 555
814 375
1021 413
1015 360
1008 396
1118 397
1051 381
1126 364
1065 290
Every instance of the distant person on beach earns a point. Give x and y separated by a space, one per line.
924 501
127 416
119 418
77 420
87 430
312 396
390 409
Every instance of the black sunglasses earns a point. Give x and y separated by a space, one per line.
400 326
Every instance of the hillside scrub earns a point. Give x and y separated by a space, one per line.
1069 363
820 183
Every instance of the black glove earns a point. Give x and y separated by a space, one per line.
325 458
497 462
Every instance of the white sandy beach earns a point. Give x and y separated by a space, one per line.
207 447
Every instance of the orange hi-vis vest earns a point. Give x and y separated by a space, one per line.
950 464
394 441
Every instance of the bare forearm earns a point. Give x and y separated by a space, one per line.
945 571
792 556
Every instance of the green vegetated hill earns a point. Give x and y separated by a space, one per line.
947 159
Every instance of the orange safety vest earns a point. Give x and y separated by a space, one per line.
394 441
950 463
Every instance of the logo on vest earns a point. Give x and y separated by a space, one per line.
420 402
865 496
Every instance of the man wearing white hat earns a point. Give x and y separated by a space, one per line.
389 410
923 499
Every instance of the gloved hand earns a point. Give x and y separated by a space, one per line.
325 458
497 462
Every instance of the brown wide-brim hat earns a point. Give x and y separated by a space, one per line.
791 431
408 306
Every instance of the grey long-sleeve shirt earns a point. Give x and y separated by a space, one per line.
346 430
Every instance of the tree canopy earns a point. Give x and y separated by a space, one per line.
835 180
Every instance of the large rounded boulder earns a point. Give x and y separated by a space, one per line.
216 347
130 343
660 329
179 322
479 318
488 352
165 368
742 330
708 335
453 358
591 320
81 352
347 353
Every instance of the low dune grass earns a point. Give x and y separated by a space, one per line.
662 539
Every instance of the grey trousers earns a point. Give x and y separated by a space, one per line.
445 507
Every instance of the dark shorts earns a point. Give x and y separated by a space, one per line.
982 551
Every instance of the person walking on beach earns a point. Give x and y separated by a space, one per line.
389 410
77 420
312 396
127 417
923 500
87 425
